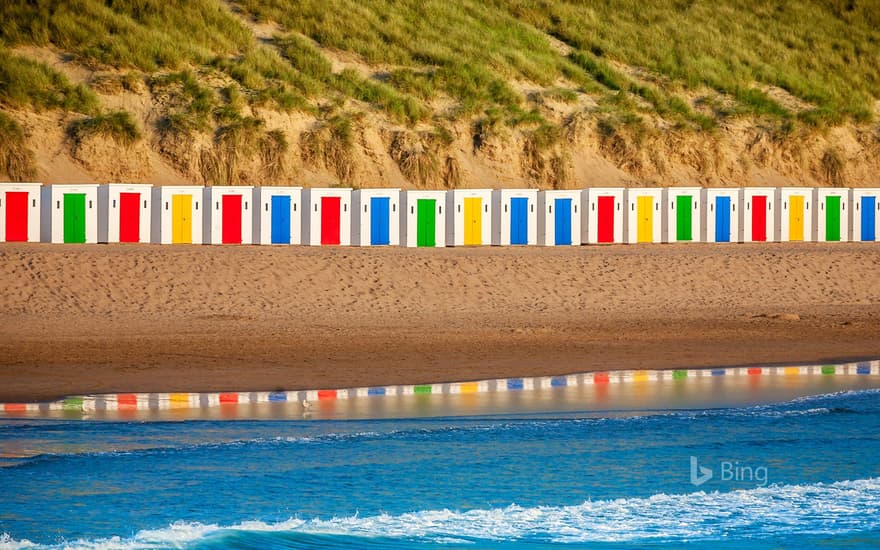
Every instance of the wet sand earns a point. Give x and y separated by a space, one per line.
139 318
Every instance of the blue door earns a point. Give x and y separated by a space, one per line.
519 220
379 220
869 227
722 219
280 219
562 221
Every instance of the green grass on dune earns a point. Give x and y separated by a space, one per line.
636 57
823 52
28 84
144 34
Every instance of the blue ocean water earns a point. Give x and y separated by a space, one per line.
803 472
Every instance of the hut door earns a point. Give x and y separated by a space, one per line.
473 221
330 210
75 218
869 227
129 217
796 218
231 219
562 222
683 217
722 220
425 222
181 219
832 219
606 220
645 216
380 216
16 216
759 218
280 219
519 220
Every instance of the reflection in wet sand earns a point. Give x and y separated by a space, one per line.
639 392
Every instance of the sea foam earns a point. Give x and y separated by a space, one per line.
813 509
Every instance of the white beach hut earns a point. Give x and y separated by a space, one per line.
559 220
831 215
645 215
423 219
177 214
20 212
277 217
866 214
684 215
329 219
377 217
468 217
604 212
758 215
70 213
228 218
515 219
124 212
794 217
721 210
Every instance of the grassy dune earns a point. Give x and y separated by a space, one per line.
692 64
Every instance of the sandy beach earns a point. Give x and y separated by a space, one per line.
83 319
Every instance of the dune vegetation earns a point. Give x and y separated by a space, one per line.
433 73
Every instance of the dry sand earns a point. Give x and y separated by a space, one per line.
105 318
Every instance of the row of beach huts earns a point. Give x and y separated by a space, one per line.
142 213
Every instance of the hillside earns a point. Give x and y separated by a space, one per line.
433 93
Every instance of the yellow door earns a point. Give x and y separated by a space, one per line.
645 212
796 218
181 219
473 221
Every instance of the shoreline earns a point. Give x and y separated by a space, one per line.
79 320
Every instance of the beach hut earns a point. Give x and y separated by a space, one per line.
757 216
229 216
20 212
468 217
70 213
423 222
124 211
721 209
377 218
516 217
866 214
277 217
559 220
794 217
604 212
177 214
329 219
645 215
831 215
684 214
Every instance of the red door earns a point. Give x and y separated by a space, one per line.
16 216
231 219
129 217
330 208
759 218
606 220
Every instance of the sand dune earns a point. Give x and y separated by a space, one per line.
197 318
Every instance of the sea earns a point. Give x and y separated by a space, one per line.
707 463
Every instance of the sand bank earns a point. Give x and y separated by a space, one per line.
95 319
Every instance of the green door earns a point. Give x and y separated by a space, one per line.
74 217
832 219
425 228
683 217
